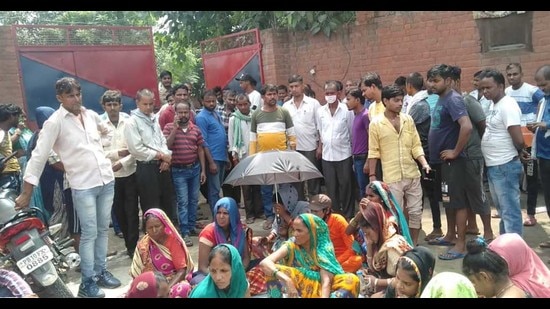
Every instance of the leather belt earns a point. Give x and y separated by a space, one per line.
175 165
360 156
149 162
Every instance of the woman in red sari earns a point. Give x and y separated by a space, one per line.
162 249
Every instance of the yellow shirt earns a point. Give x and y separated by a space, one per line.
6 149
397 151
376 109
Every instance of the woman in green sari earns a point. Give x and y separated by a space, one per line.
226 275
307 267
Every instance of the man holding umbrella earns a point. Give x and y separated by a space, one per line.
271 129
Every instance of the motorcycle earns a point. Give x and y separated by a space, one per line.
29 247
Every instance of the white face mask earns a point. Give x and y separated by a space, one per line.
330 99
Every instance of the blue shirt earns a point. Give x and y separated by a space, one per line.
543 144
444 128
213 133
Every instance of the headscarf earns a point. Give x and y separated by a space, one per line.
143 286
449 285
236 230
289 196
137 264
320 253
423 261
525 267
390 203
375 216
237 286
42 114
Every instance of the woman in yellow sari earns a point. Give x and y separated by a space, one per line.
307 267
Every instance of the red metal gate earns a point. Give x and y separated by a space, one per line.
227 57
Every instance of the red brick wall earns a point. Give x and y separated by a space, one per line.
396 43
10 88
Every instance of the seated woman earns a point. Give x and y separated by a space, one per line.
308 267
287 207
525 267
449 285
150 284
162 249
226 277
488 271
414 270
379 192
384 246
227 228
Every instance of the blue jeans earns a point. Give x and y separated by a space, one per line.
267 200
186 184
362 178
503 184
93 207
215 185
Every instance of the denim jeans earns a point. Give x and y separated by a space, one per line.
186 184
267 200
93 207
215 185
503 184
362 178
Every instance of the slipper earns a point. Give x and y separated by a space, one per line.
439 241
495 216
472 233
530 221
433 236
545 244
451 255
249 220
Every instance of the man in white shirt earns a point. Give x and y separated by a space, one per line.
334 125
125 205
72 132
248 85
303 109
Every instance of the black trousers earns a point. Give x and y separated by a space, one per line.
339 183
126 208
156 190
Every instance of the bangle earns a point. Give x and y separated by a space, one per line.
353 223
376 282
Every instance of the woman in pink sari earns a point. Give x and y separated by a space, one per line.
525 267
162 249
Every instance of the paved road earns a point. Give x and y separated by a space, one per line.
119 264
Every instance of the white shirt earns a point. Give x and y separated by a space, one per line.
115 141
78 146
335 132
305 122
485 104
497 144
256 99
144 136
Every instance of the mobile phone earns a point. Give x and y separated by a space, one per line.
430 176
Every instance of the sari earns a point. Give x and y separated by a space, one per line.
449 285
237 286
525 267
143 286
303 265
239 236
390 246
391 205
167 258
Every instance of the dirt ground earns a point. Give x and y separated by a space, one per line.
119 264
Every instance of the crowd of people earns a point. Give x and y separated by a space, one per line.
353 233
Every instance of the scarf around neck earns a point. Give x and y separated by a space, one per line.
238 142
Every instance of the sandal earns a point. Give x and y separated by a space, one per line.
249 220
440 241
530 221
432 236
545 244
268 224
451 255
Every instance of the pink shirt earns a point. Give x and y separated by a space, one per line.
79 148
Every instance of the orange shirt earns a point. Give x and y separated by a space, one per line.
346 256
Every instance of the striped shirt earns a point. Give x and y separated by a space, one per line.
186 144
271 131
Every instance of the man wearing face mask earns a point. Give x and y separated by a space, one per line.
334 125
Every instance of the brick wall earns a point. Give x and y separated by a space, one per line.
10 87
395 43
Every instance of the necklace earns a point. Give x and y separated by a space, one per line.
504 289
